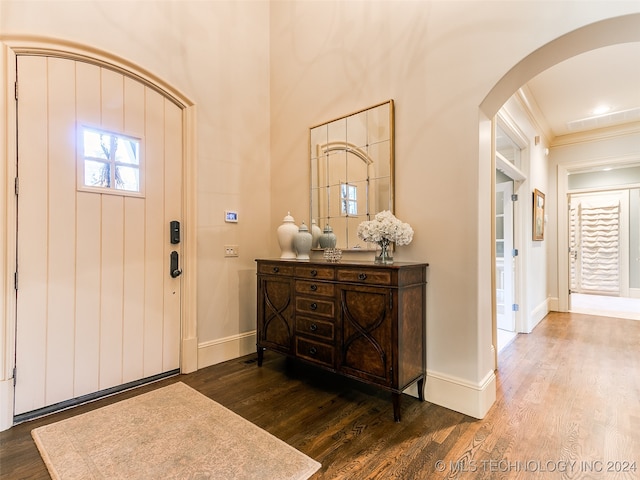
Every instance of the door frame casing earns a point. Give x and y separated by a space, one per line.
562 213
9 50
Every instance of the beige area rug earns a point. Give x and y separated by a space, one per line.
174 432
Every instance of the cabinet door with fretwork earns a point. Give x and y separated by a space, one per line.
367 333
275 312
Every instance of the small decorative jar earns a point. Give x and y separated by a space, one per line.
328 238
302 242
332 255
316 233
286 232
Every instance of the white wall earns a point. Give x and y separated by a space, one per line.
261 73
438 60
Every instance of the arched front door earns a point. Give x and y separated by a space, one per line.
100 179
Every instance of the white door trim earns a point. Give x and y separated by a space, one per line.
9 48
562 199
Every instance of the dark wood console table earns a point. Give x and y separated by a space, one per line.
358 319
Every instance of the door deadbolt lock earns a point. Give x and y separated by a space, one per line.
175 266
174 231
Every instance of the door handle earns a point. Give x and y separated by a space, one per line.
175 266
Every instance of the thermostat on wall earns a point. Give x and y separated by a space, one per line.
231 216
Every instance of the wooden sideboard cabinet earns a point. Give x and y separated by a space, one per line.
358 319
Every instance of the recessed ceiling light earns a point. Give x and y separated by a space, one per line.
606 169
601 109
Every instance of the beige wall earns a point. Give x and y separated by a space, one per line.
261 73
438 61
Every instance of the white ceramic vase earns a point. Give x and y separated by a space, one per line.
286 232
316 233
328 238
302 242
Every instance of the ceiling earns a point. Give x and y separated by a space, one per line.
568 93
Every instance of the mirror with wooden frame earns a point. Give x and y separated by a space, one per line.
352 171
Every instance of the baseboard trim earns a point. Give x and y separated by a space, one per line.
634 292
537 314
6 404
461 395
447 391
228 348
554 304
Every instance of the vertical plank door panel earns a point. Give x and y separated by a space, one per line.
62 237
157 264
111 291
88 246
31 331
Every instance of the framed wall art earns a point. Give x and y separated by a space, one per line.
538 215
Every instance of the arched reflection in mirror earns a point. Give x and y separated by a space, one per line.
352 171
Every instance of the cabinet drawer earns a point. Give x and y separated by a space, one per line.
315 306
365 275
315 288
315 327
310 271
315 351
275 269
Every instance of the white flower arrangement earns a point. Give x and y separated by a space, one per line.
385 228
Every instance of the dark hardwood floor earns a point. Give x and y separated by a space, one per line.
568 406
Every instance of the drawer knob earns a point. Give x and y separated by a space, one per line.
313 350
362 276
313 287
314 273
276 269
313 306
313 327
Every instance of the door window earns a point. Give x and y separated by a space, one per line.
109 161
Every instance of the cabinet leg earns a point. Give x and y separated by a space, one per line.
395 398
421 389
260 356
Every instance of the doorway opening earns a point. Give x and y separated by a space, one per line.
509 147
603 233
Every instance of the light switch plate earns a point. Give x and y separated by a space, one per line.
231 250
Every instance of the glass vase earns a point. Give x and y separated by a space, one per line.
385 256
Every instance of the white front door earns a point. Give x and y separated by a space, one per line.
599 243
96 304
504 257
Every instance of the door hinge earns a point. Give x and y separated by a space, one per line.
15 90
16 186
15 280
515 307
15 370
514 197
514 252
